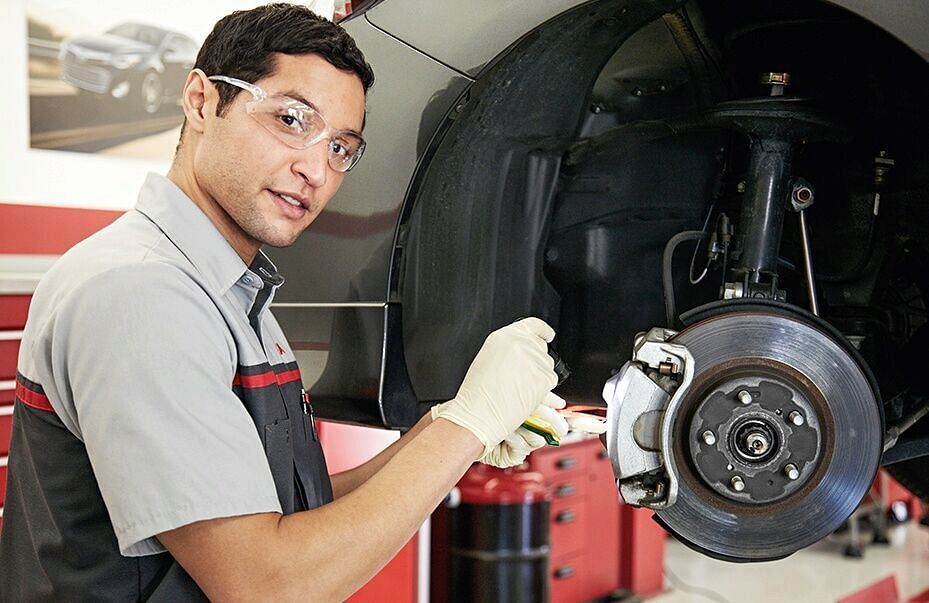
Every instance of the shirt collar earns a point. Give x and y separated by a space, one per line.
266 270
195 235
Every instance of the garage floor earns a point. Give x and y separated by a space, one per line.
817 574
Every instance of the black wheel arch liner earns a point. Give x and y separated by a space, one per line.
468 252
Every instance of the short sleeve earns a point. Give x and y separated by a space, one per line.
147 361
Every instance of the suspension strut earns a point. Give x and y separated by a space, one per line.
776 127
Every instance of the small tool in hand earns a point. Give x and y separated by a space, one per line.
540 426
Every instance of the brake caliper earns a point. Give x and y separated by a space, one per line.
642 401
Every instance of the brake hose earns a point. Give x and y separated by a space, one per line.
667 279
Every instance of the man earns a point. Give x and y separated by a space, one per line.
162 448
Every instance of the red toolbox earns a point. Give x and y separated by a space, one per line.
585 536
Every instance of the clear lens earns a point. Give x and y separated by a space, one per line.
297 125
345 149
300 127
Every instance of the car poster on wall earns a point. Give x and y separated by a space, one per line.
106 77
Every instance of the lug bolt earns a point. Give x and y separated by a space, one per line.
791 471
745 397
709 437
796 418
737 483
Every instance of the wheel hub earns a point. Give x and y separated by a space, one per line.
759 438
754 440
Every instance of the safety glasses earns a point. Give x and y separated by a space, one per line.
298 125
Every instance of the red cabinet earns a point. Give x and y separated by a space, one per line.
346 447
585 538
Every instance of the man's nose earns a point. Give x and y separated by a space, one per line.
312 164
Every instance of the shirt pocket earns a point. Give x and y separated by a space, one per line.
280 452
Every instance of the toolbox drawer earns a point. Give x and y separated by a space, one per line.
568 487
567 579
568 527
552 463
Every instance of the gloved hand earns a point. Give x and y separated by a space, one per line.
515 447
507 379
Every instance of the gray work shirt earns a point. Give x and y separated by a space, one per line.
142 340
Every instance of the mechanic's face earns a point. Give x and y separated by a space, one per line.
245 169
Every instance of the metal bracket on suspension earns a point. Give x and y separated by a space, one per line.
642 402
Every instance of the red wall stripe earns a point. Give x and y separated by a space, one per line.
34 229
13 311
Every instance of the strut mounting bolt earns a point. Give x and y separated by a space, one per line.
796 418
791 471
745 397
709 437
737 483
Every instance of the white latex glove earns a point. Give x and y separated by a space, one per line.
511 373
515 447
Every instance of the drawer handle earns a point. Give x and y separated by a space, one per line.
565 517
565 571
565 490
566 462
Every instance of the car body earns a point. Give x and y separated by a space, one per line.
538 159
131 62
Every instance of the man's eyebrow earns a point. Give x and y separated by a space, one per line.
298 97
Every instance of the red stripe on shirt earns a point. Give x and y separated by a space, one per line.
265 379
253 381
288 376
33 399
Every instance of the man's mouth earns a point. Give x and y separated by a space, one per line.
291 200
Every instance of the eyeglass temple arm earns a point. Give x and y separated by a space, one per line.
255 90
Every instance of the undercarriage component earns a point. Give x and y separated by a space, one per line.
639 432
759 437
776 126
801 198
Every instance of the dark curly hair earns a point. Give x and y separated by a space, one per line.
242 45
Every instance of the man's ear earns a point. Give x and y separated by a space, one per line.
199 96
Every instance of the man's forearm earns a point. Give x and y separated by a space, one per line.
327 553
346 481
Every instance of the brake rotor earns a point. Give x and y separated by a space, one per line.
776 441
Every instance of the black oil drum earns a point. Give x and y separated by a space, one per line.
499 537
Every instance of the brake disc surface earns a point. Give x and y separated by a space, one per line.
776 442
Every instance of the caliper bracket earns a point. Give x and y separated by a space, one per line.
642 401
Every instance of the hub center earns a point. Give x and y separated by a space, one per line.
753 440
